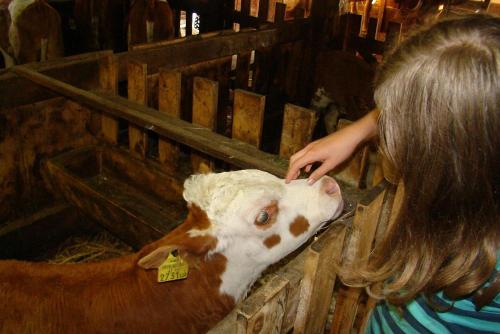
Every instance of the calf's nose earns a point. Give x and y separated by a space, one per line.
329 186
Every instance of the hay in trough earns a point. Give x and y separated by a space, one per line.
99 247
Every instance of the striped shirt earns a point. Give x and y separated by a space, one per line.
419 317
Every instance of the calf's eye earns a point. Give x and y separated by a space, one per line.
262 218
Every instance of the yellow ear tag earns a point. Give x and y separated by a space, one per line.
173 268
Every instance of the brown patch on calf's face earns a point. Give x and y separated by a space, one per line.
299 226
272 241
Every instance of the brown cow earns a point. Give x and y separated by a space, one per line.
149 21
34 33
238 224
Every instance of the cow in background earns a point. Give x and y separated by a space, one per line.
238 224
34 31
150 21
343 87
101 24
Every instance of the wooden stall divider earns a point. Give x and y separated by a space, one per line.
372 212
318 282
245 13
271 10
137 92
379 34
298 127
365 19
280 12
356 169
205 99
108 82
169 102
242 70
263 10
263 311
248 117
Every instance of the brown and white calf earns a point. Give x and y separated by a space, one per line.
34 31
150 21
238 224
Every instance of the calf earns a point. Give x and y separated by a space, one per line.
150 21
238 223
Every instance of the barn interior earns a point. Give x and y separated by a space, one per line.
106 107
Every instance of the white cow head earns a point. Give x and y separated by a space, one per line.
257 219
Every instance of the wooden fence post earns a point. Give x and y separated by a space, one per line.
372 214
205 99
137 92
108 82
263 312
298 127
248 117
169 102
318 282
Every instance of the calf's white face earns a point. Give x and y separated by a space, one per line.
257 219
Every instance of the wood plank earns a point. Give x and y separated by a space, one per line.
205 99
242 70
232 151
263 311
319 281
355 169
298 127
280 12
169 95
137 92
263 10
248 117
108 81
365 224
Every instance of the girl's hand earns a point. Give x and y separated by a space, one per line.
332 149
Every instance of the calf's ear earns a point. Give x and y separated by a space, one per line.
154 259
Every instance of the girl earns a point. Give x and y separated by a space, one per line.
439 127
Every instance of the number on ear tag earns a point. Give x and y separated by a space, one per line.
173 268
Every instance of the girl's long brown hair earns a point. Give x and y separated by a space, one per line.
439 94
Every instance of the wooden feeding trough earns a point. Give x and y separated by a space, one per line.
112 137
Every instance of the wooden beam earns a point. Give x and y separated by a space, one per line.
199 48
81 70
232 151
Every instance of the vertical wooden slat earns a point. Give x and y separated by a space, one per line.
279 15
298 127
271 10
137 92
189 23
242 70
108 82
356 168
248 117
365 19
379 34
169 102
318 282
205 99
292 81
263 312
369 213
263 10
